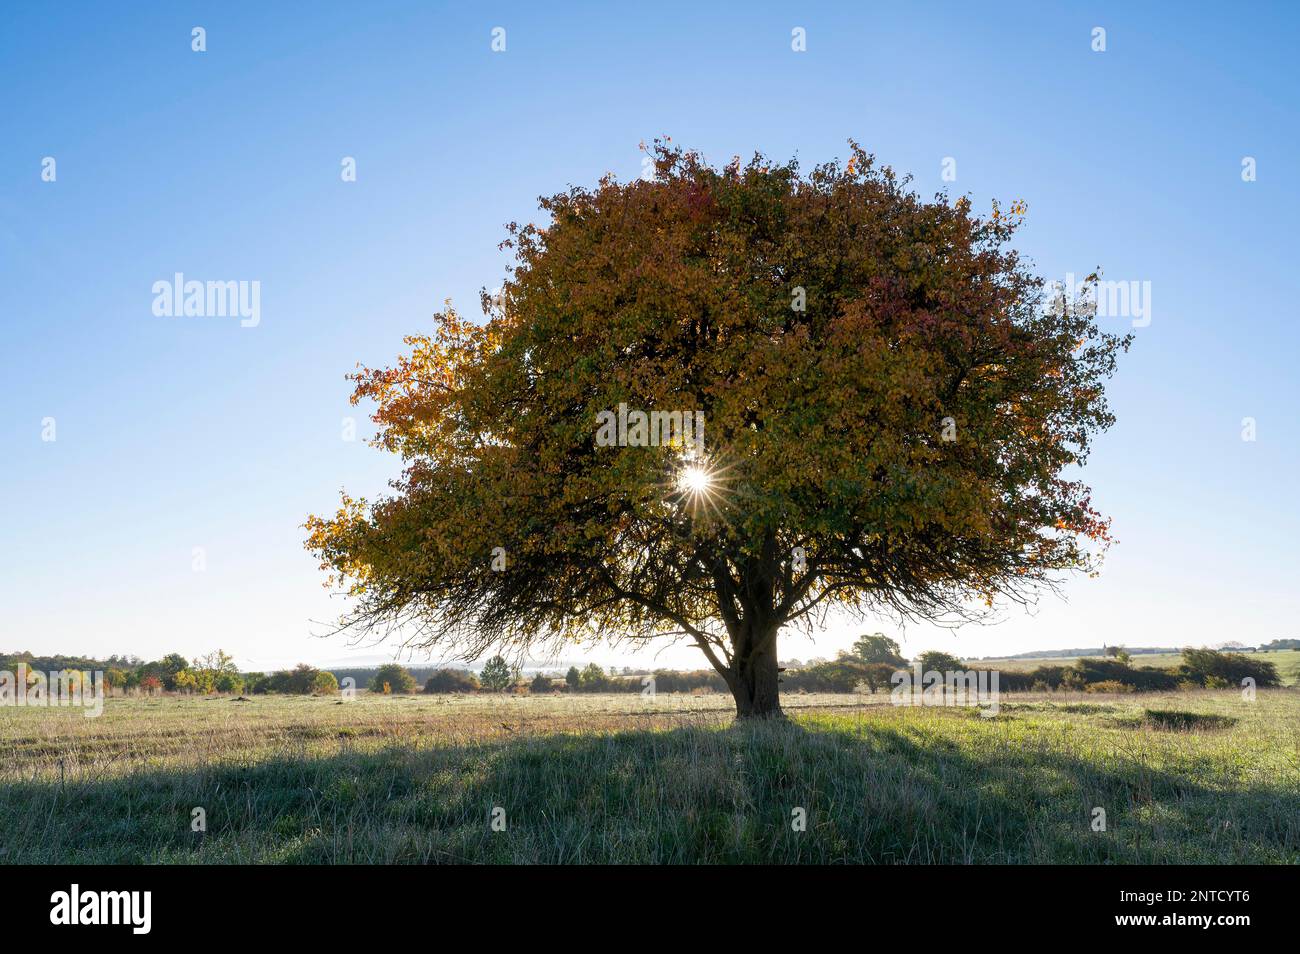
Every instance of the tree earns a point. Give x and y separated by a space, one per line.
496 674
165 670
215 670
593 679
878 648
933 660
573 678
301 680
229 682
878 675
186 681
541 683
891 413
395 676
256 682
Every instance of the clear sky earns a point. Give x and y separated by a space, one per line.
176 433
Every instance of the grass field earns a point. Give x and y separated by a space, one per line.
620 778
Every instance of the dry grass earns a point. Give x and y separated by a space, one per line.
624 779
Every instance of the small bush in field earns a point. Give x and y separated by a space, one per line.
1110 685
1177 721
324 683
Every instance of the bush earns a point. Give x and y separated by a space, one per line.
839 676
395 678
1212 669
324 683
300 681
1177 721
1109 685
1087 672
541 683
256 682
228 682
444 681
698 680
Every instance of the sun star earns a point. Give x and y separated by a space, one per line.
694 480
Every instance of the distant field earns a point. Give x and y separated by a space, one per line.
620 778
1287 662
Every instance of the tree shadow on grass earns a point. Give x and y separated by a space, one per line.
864 792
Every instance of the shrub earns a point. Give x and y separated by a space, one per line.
395 677
1086 672
695 681
541 683
839 676
324 682
1050 676
1109 685
1226 669
229 682
1186 721
444 681
300 681
256 682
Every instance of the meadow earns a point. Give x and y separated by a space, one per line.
1183 777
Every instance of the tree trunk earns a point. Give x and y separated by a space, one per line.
753 680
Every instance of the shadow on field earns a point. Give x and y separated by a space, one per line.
868 792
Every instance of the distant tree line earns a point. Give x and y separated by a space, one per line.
870 665
214 673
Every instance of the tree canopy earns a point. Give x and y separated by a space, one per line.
890 418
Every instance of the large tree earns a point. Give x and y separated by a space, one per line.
891 422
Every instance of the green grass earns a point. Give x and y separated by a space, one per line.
625 779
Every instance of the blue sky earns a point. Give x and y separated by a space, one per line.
176 433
